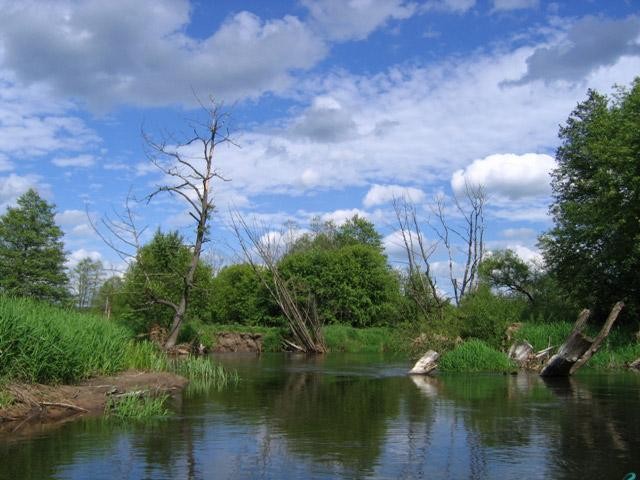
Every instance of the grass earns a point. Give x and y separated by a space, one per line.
6 399
344 338
44 344
134 407
542 335
40 343
475 356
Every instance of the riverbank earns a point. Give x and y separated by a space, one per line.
32 404
457 354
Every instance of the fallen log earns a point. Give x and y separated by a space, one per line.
521 353
426 364
64 405
578 348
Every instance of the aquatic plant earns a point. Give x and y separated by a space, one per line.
137 407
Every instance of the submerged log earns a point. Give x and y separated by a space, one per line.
578 348
426 364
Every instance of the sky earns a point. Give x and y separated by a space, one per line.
336 107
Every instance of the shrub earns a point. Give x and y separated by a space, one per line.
475 356
486 316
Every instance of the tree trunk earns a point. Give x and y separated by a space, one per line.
426 364
578 348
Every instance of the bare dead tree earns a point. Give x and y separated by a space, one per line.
189 178
262 251
470 233
422 287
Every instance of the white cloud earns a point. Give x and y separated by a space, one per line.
507 5
508 175
77 255
100 51
77 161
12 186
339 217
71 218
383 194
355 19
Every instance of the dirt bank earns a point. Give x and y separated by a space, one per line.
38 404
238 342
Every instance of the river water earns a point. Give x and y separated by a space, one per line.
355 416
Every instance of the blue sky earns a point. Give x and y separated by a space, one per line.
337 106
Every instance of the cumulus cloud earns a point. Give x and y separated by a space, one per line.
507 5
507 175
5 164
12 186
102 52
339 217
383 194
355 19
589 44
77 255
325 121
71 218
77 161
519 233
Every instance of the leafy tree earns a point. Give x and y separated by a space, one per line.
31 251
86 278
594 247
346 272
239 296
158 275
506 270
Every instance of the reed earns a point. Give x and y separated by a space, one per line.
137 407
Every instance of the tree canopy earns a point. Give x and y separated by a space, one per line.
32 254
594 246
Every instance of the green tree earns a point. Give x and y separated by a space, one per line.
504 269
85 280
346 272
31 251
157 276
239 296
594 247
109 296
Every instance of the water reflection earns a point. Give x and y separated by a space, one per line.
356 417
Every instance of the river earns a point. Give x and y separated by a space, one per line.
355 416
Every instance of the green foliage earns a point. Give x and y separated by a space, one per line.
486 316
475 356
504 269
44 344
158 273
344 338
31 251
594 246
136 407
239 296
543 335
347 273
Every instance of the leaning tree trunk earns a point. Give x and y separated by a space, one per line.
578 348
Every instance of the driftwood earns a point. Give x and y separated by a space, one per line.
64 405
426 364
521 352
578 348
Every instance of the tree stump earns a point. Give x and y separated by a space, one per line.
578 348
426 364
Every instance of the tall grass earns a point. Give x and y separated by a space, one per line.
542 335
135 407
345 338
44 344
475 356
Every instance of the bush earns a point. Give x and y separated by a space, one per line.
475 356
238 296
486 316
